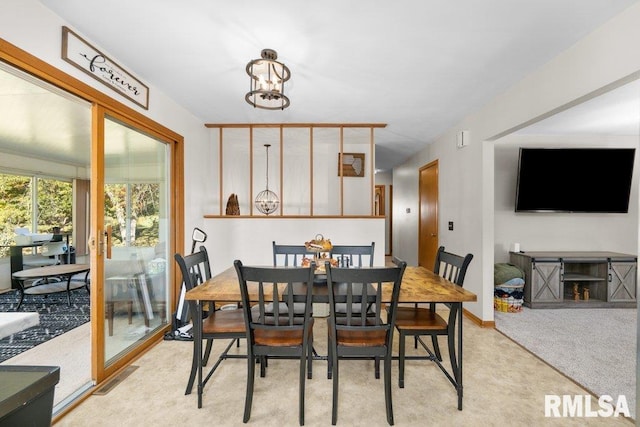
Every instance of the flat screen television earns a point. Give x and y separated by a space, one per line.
574 180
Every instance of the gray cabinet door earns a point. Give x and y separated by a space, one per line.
545 282
622 281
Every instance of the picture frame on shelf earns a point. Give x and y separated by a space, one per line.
351 164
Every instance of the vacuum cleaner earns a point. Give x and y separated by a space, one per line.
181 327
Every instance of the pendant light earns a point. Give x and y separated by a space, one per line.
267 201
266 82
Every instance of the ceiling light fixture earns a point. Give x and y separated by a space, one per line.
267 201
266 85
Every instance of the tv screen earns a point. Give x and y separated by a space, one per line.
574 180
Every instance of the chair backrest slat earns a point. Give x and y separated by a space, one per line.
195 268
356 255
289 255
451 266
359 289
281 283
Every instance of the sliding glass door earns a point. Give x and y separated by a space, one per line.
133 238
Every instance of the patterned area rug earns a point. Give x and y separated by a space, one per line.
56 318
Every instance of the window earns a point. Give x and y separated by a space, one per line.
133 210
36 203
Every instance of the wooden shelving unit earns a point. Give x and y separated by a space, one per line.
578 279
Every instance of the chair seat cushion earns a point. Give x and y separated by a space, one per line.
224 321
415 319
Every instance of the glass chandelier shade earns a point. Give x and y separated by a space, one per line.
266 83
267 201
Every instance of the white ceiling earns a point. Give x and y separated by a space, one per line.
419 66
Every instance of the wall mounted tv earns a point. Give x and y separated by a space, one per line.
574 180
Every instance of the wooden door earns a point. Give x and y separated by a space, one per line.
428 222
381 210
380 198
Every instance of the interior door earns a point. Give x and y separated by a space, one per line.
428 224
381 209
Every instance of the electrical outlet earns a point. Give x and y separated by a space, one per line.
450 225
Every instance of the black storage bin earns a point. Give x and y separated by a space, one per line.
26 395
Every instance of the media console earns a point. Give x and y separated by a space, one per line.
575 279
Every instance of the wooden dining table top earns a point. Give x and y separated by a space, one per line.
418 285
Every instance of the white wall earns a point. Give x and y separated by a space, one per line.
32 27
250 239
602 58
558 231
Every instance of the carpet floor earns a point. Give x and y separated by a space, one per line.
56 318
594 347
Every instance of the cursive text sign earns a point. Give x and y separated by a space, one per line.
85 57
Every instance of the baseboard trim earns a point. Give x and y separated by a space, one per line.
478 321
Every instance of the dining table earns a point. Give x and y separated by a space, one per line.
419 285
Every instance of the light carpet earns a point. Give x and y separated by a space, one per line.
504 385
594 347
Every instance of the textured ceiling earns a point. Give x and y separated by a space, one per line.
419 66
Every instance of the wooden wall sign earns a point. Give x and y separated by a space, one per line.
87 58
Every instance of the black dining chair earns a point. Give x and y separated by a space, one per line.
218 324
271 333
355 334
421 321
354 256
289 255
286 256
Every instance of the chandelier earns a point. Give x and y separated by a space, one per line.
266 83
267 201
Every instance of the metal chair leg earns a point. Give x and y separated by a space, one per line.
194 370
387 389
436 347
301 391
401 352
251 367
334 405
207 351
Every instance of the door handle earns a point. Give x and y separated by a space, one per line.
108 240
434 234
